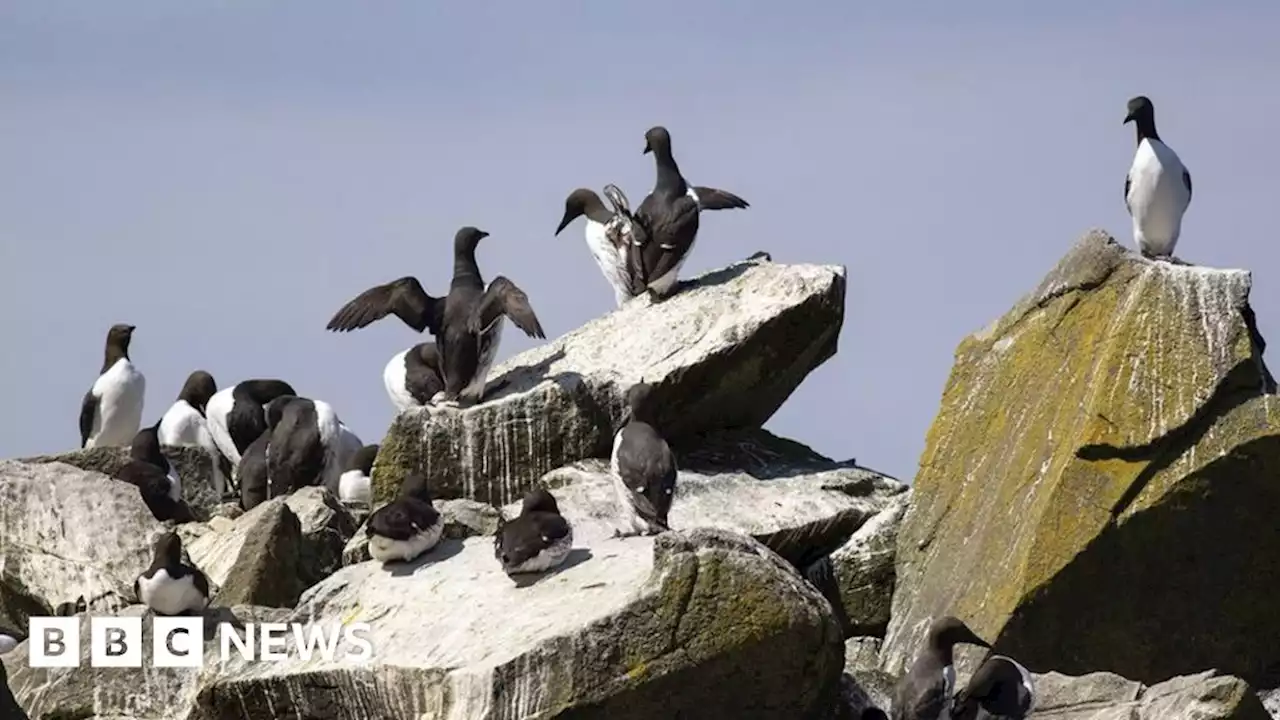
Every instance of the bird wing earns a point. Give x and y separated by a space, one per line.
88 408
504 298
1186 180
404 298
659 257
715 199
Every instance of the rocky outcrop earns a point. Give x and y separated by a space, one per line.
69 539
864 572
724 352
325 526
256 559
1105 458
1104 696
194 467
635 628
146 693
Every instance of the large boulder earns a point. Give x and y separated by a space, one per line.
1105 696
325 525
1099 489
146 693
192 463
634 628
724 352
69 539
256 559
864 570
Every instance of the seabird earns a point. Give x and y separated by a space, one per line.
1157 188
467 323
665 225
111 411
237 415
924 693
406 527
1001 687
303 444
643 467
169 586
608 237
538 540
414 376
184 424
353 485
155 477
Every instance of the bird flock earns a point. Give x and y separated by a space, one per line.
264 440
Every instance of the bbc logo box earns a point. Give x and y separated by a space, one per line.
116 642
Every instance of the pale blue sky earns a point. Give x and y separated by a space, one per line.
226 175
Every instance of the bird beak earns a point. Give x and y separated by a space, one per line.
483 234
975 640
1127 119
564 223
132 328
647 149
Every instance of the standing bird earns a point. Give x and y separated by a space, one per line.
643 466
254 478
406 527
467 323
608 236
303 442
414 376
238 415
155 477
169 586
1157 188
924 693
111 411
1001 688
538 540
354 484
665 225
184 424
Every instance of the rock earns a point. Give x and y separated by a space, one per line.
629 629
69 539
864 569
724 352
462 519
195 469
802 510
326 527
1139 476
867 685
146 693
258 560
1104 696
1271 701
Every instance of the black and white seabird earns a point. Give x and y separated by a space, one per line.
1157 188
643 466
467 323
538 540
1001 688
666 223
155 477
354 483
111 412
170 586
184 424
414 376
406 527
237 415
925 691
608 237
304 448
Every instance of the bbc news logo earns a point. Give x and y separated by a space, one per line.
179 642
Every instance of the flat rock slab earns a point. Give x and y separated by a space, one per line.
724 352
1105 696
69 539
1113 438
194 467
634 628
